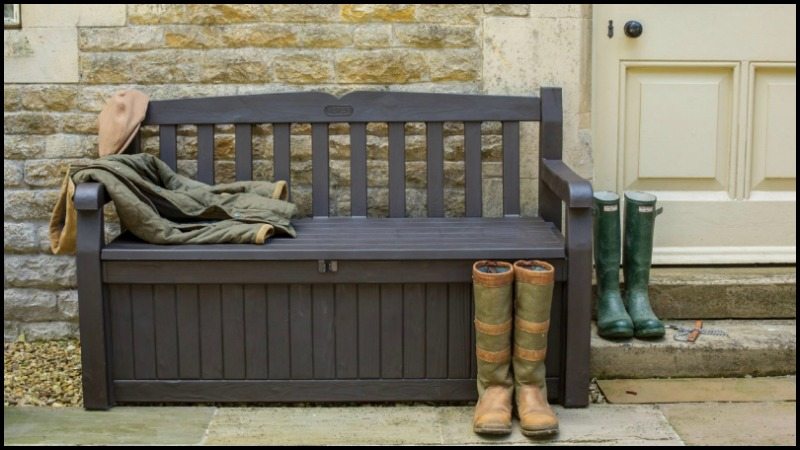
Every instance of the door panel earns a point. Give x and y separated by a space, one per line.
774 129
700 110
678 127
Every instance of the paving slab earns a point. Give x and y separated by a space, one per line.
737 424
120 425
751 347
322 425
595 425
690 390
599 424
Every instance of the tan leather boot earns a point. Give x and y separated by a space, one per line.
534 294
492 285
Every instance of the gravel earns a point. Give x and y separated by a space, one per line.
42 374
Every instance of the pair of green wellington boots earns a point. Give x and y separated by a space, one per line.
619 318
512 299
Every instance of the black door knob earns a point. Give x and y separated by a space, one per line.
633 29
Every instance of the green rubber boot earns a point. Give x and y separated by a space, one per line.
493 284
613 322
640 219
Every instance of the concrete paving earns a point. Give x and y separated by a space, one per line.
122 425
736 424
714 421
693 390
751 347
377 425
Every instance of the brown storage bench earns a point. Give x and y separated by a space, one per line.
354 308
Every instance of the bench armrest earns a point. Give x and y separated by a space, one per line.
570 187
90 196
559 184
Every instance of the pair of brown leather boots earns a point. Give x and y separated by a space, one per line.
523 291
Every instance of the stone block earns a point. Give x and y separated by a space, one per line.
302 69
449 13
44 271
121 39
435 36
19 238
455 65
377 13
511 9
66 15
23 204
12 173
48 331
20 146
380 66
372 36
40 55
30 305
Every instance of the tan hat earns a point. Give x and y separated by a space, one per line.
119 121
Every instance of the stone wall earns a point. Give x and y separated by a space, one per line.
67 59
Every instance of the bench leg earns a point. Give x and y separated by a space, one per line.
579 285
93 312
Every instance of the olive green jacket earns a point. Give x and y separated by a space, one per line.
161 207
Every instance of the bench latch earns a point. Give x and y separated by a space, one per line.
327 266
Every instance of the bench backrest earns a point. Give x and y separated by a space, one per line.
358 109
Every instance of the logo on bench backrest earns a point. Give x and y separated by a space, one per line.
338 110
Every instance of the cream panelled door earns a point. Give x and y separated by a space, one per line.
700 110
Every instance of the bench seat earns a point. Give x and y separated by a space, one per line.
345 238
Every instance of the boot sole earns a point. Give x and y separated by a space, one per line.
649 334
616 333
539 433
492 431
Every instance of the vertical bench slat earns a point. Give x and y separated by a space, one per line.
121 331
244 153
278 316
472 169
435 333
550 147
233 343
369 331
323 334
136 144
414 330
255 329
459 327
188 313
435 145
358 169
391 340
209 301
165 335
167 143
205 153
144 333
320 169
511 205
346 327
397 169
300 330
281 138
